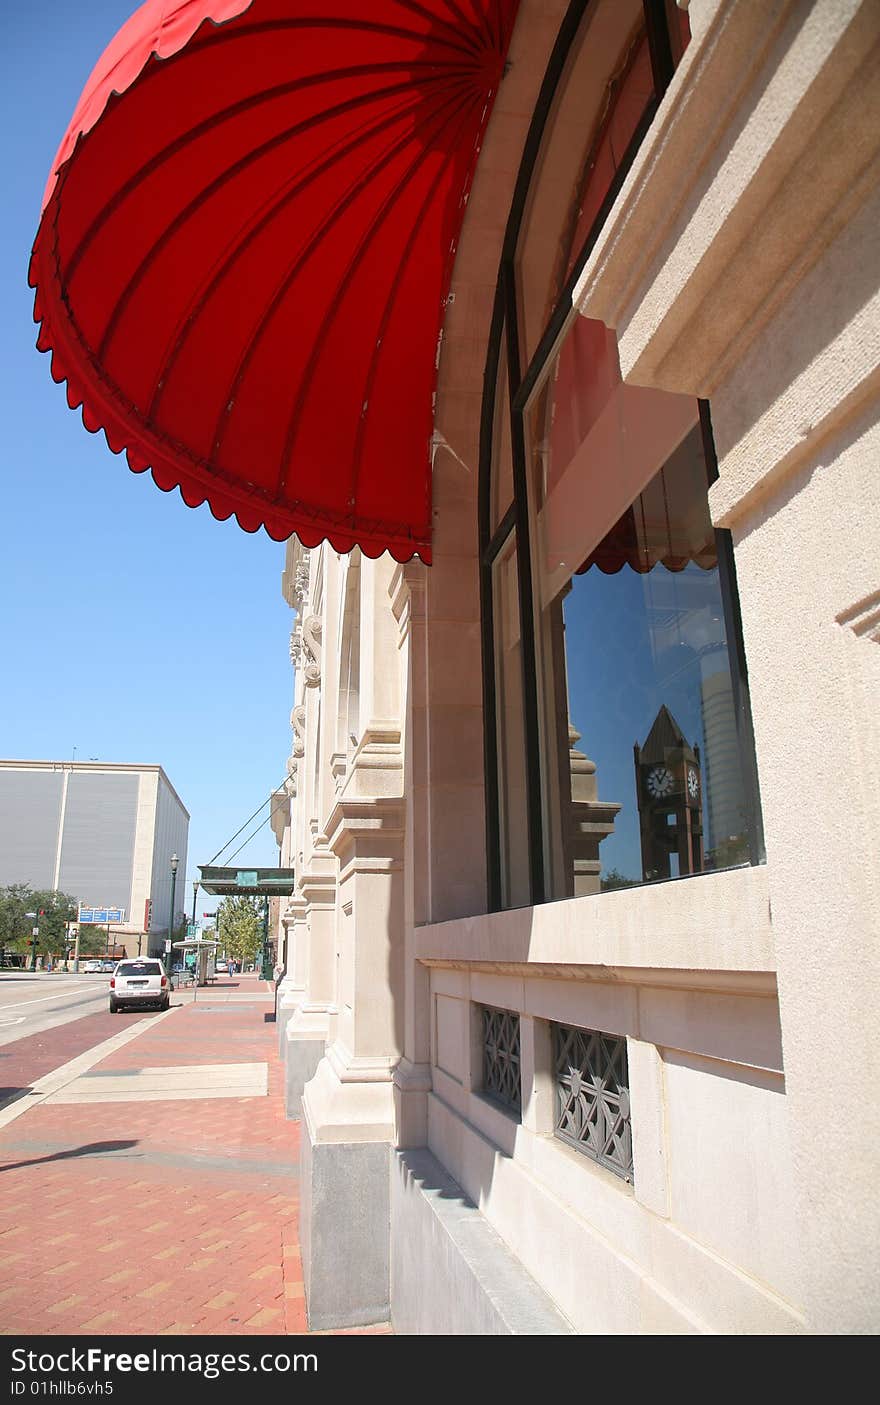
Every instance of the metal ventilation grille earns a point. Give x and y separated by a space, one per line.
592 1096
501 1061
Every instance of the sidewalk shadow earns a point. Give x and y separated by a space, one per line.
90 1149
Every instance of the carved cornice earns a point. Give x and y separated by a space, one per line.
319 889
368 832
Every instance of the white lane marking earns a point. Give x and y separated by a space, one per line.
60 1077
43 999
16 1019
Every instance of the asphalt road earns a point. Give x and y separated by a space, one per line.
32 1002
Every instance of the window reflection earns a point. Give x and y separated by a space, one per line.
644 672
599 101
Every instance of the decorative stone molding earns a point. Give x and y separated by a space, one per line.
301 578
740 982
339 769
412 1084
311 638
295 577
298 722
349 1069
295 646
367 834
376 767
407 593
589 819
318 886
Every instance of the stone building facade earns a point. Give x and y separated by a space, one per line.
579 1005
540 1090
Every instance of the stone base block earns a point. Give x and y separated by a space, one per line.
282 1020
288 999
451 1274
301 1061
344 1232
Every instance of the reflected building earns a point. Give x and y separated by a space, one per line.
590 820
726 825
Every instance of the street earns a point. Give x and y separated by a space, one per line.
34 1001
45 1021
150 1177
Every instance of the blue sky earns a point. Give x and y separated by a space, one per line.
134 628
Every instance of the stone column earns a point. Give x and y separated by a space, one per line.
291 992
348 1107
412 1077
308 1024
309 1027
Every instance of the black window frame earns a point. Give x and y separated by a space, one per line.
515 521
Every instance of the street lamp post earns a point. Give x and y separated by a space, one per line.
174 862
195 895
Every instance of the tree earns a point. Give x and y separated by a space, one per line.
58 910
93 940
53 912
240 927
615 879
15 925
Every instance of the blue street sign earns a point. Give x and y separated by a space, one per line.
103 915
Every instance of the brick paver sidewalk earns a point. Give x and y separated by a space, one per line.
154 1217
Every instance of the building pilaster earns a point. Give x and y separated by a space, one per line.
308 1026
348 1107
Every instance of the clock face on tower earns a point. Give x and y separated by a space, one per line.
659 782
693 783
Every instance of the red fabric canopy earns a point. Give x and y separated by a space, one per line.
246 244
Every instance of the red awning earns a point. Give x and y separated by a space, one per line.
246 244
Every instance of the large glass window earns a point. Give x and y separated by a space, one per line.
597 104
622 747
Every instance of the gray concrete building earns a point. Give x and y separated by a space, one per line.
103 833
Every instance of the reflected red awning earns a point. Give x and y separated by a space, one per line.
246 245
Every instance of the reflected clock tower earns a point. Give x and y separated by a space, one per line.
669 786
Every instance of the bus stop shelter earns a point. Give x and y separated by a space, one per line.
204 949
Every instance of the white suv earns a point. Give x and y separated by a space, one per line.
139 981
